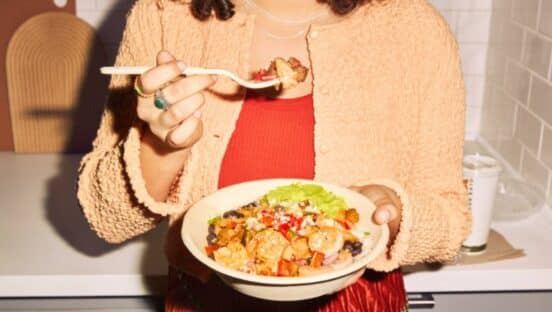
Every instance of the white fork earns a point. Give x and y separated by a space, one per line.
138 70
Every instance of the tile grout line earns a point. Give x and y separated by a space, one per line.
529 89
521 158
516 108
542 35
539 11
527 108
523 42
532 73
549 186
539 148
494 152
545 166
549 78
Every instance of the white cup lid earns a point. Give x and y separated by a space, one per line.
480 164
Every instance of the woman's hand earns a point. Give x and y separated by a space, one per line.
179 125
388 207
388 211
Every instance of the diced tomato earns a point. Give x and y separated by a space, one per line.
316 260
345 224
284 229
287 268
267 220
210 249
295 222
258 75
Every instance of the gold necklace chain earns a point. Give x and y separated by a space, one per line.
282 20
284 37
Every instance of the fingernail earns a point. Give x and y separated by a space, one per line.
384 216
181 66
197 114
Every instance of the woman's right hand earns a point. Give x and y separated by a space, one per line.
179 125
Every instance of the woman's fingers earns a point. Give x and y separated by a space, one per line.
164 57
183 109
179 125
388 214
156 78
186 87
167 69
187 133
388 207
385 214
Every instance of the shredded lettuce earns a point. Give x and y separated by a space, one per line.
213 220
324 201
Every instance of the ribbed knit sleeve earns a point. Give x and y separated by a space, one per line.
435 217
111 189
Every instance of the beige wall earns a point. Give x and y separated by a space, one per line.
517 109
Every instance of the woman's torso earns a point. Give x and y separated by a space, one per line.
362 86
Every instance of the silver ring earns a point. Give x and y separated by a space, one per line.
160 101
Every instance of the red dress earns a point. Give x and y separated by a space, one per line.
275 139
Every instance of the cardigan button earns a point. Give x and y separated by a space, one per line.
313 34
324 149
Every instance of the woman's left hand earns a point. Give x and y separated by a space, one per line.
388 207
388 211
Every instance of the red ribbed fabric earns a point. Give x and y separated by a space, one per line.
272 139
275 139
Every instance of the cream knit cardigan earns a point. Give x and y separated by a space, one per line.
388 104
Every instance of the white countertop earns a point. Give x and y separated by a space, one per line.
532 272
46 248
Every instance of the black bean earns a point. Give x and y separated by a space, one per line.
348 245
251 205
355 248
232 213
211 238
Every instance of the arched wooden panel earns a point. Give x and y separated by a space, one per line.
14 13
52 70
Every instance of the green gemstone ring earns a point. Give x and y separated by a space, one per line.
160 101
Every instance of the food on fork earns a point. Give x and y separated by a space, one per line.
293 230
290 72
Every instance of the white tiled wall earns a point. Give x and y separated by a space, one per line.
470 21
517 110
108 17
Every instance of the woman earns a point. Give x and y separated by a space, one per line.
382 109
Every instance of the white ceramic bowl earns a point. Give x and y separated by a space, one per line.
195 229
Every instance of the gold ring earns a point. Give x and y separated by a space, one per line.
139 91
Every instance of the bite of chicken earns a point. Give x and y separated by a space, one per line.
290 72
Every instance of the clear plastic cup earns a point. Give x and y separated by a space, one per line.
481 178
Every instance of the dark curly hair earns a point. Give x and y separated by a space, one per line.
224 9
